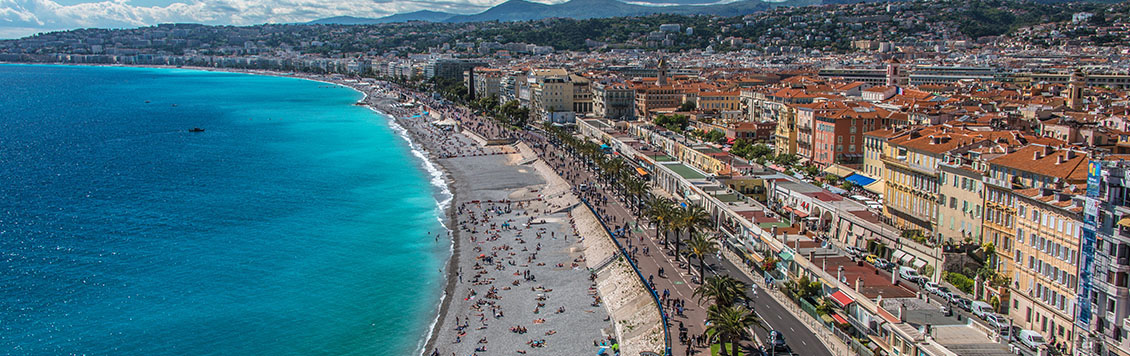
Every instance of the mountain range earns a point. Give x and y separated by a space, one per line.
523 10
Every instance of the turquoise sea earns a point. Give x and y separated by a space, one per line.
295 224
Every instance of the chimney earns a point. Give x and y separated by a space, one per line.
858 284
1069 154
1059 159
1036 156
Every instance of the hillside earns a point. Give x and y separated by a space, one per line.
523 10
423 15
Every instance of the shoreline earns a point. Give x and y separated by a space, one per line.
381 97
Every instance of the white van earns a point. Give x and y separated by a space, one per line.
1031 339
980 308
909 274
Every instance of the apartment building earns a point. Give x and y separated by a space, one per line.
612 100
1104 260
874 146
838 135
1034 220
717 101
961 202
551 95
651 97
487 82
582 94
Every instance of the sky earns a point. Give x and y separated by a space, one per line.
19 18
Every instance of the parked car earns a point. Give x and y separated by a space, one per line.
870 258
1030 339
998 322
854 251
962 303
777 341
931 287
980 309
954 297
943 292
909 274
883 264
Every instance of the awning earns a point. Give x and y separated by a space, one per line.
860 179
841 299
897 255
906 259
838 170
1124 222
919 263
878 187
641 171
839 319
798 213
785 256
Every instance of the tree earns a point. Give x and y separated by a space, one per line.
727 323
806 288
786 159
687 106
661 212
690 218
720 290
677 123
701 246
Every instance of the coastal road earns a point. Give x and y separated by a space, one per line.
679 281
775 316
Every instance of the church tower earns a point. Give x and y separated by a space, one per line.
1075 90
894 72
662 80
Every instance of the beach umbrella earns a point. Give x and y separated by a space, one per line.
601 352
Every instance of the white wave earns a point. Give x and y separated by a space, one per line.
444 198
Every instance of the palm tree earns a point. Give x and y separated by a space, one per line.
690 218
701 246
728 323
636 190
721 289
660 212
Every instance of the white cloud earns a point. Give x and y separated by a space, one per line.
24 17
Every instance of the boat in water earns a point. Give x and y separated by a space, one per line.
196 129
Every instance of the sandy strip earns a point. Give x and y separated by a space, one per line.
520 282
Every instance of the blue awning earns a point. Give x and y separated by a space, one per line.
859 179
785 255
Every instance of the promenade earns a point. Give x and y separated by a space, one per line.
674 280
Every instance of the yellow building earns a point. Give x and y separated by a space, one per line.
874 145
717 101
1035 224
785 135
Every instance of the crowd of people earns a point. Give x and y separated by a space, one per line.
508 241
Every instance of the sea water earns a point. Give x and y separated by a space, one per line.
296 224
